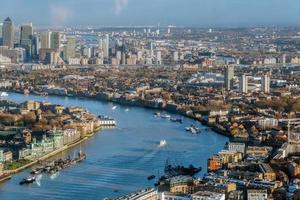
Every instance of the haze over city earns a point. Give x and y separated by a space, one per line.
199 13
149 99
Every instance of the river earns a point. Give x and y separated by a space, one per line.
118 160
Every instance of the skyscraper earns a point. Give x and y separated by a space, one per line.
8 32
229 74
265 84
55 40
26 34
243 84
105 46
70 48
1 35
45 40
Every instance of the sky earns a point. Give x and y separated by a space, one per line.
198 13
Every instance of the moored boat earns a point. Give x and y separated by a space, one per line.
28 180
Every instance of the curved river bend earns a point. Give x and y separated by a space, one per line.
118 160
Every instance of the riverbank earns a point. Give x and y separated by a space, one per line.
8 173
139 104
121 101
118 159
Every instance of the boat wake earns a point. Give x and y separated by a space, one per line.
162 143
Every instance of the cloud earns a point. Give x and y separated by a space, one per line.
120 5
60 15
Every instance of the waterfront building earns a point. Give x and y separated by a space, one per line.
1 168
146 194
8 33
243 84
31 105
236 147
26 34
173 196
208 195
214 163
228 78
5 156
265 84
182 184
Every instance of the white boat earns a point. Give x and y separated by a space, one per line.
3 94
162 143
166 116
127 109
114 108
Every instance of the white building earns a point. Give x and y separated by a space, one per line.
243 84
236 147
265 84
171 196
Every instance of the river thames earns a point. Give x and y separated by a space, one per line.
118 160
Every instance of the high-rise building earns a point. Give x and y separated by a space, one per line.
158 57
265 84
45 40
55 40
8 32
243 84
26 34
35 46
70 48
1 35
229 74
50 40
105 46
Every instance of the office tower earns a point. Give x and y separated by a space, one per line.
55 40
45 40
1 35
229 74
35 46
8 32
243 84
105 46
70 48
158 57
26 33
118 57
265 84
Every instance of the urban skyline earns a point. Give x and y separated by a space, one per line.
198 13
194 113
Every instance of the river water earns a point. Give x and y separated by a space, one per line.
118 160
